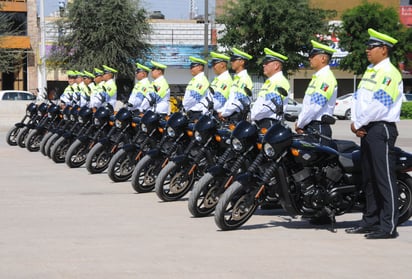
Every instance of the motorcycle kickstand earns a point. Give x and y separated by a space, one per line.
331 215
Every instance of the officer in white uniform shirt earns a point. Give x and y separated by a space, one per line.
273 97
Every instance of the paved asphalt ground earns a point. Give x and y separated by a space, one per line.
57 222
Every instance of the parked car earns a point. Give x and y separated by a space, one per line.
407 97
293 108
16 95
343 106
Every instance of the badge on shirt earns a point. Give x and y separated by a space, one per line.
387 81
324 87
223 86
199 86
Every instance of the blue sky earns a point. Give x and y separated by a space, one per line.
172 9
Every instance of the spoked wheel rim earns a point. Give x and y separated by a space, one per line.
147 176
178 183
78 157
33 143
235 207
123 168
12 136
404 201
101 160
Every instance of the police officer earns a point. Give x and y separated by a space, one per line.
97 96
241 87
88 78
375 110
110 87
67 96
320 96
158 99
222 82
78 89
140 89
194 101
274 92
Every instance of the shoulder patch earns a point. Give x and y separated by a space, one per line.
324 86
386 81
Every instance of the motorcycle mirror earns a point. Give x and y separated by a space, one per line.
328 119
289 117
248 92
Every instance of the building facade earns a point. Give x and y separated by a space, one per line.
24 14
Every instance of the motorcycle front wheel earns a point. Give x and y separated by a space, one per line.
44 141
77 153
235 207
98 158
59 150
205 195
404 182
174 181
145 174
50 143
11 136
121 166
33 140
22 136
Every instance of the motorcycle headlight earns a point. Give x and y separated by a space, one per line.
236 144
269 150
170 132
96 121
143 127
198 136
118 123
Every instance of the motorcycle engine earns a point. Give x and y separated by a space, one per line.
313 185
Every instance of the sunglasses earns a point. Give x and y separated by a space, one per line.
370 47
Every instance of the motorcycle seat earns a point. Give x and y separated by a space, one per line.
346 146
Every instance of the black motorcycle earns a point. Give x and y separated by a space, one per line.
309 179
177 178
97 127
24 131
47 123
174 140
54 133
99 156
30 114
236 159
82 120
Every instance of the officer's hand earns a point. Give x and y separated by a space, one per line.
359 132
298 130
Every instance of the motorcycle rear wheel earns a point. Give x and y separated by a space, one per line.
12 135
98 158
404 182
33 140
205 195
235 207
145 174
174 182
77 153
121 166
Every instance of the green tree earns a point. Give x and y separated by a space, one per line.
97 32
354 34
10 59
282 25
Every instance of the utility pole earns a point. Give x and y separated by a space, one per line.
206 33
42 80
